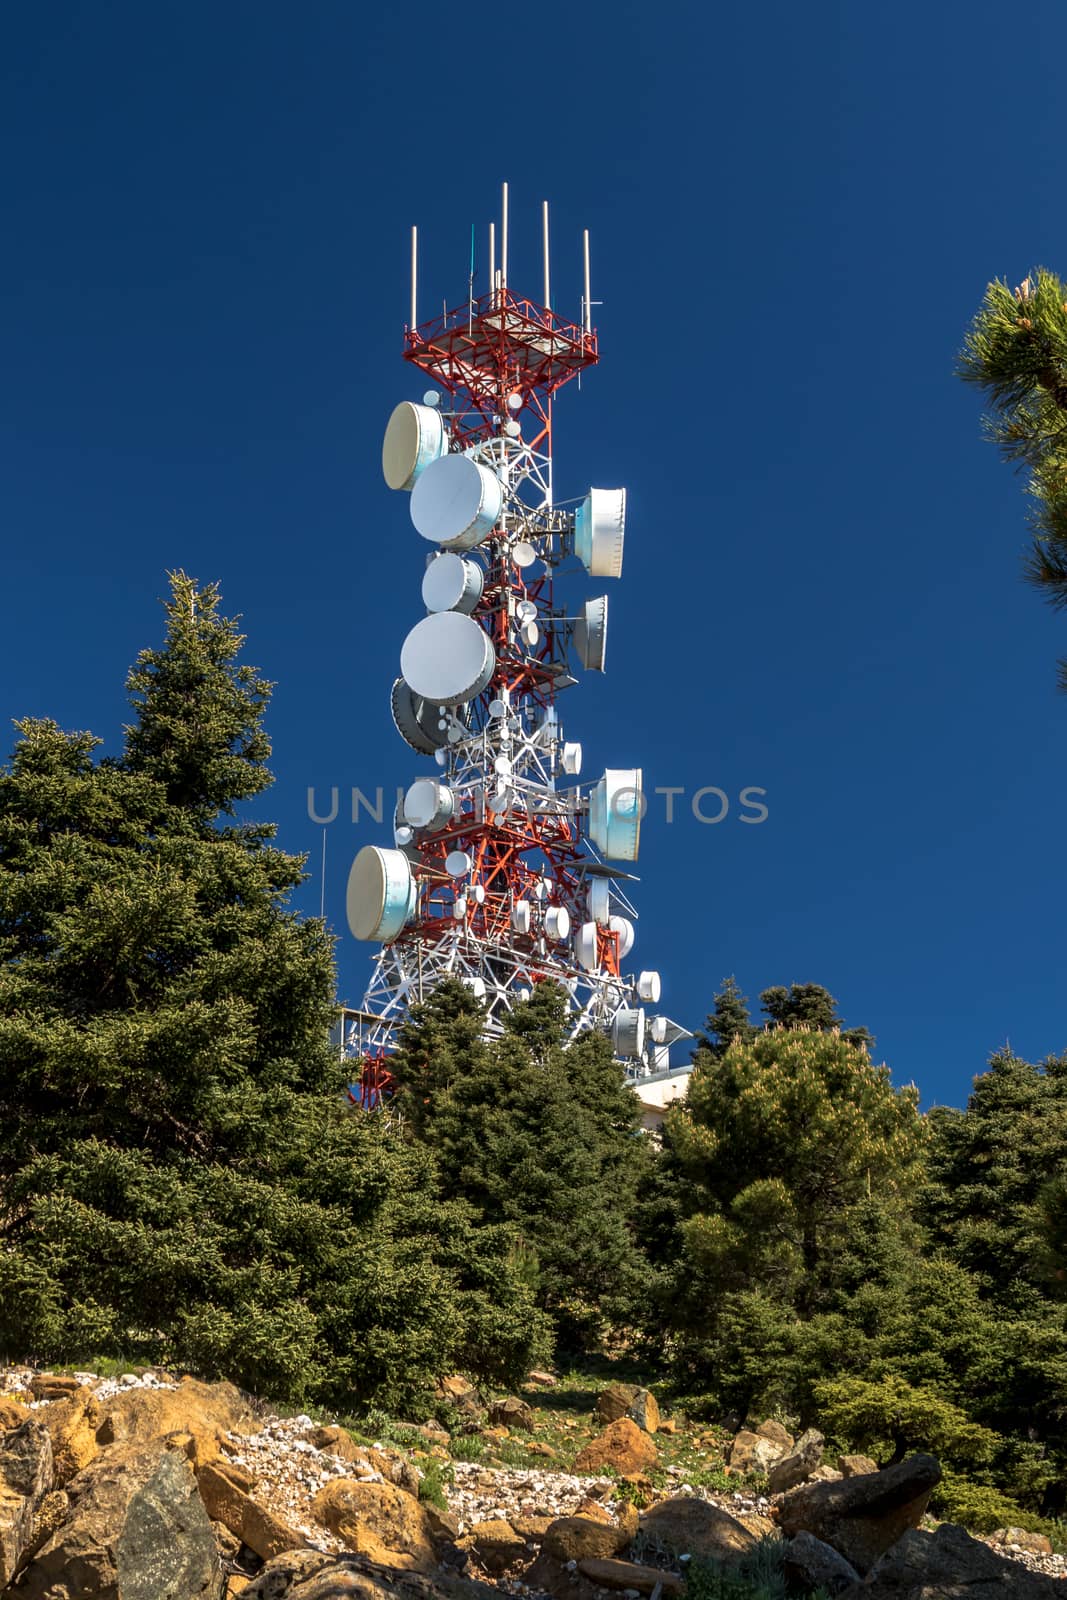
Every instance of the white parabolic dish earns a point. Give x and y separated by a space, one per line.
452 584
456 502
381 893
600 531
414 436
615 806
447 658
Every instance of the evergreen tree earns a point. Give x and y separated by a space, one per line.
537 1133
809 1005
179 1177
1016 352
728 1021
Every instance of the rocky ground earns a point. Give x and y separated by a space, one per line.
151 1486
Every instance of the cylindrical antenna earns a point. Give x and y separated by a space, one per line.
414 272
492 259
588 301
544 226
504 241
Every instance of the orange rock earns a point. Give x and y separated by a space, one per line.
253 1524
72 1422
626 1575
584 1539
377 1520
199 1448
336 1442
12 1414
139 1416
52 1386
622 1445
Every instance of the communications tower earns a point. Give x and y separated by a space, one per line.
507 868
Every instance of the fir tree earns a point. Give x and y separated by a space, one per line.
179 1177
809 1005
728 1021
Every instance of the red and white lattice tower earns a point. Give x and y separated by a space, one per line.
506 868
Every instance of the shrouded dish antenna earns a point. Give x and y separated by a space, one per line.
447 659
600 531
381 894
415 436
456 502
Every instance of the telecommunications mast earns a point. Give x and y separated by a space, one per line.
506 869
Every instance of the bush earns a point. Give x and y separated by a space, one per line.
758 1575
980 1508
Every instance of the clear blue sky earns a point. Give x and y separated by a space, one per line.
794 212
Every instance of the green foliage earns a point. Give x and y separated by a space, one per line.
1016 352
432 1484
728 1021
891 1417
179 1175
757 1575
982 1509
809 1005
538 1134
467 1447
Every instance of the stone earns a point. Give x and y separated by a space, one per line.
825 1474
395 1468
622 1446
495 1545
776 1433
810 1564
315 1575
460 1393
25 1480
685 1525
443 1525
667 1425
628 1400
862 1517
199 1448
53 1386
856 1466
752 1452
759 1527
224 1492
72 1423
12 1414
1038 1544
584 1539
377 1520
950 1565
51 1514
588 1506
537 1448
512 1413
627 1575
799 1464
544 1380
139 1416
135 1530
336 1441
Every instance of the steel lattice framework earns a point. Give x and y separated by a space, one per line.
507 886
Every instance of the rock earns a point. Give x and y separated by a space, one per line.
628 1400
139 1416
224 1492
72 1423
811 1564
825 1474
395 1468
199 1448
775 1432
336 1442
25 1479
314 1575
688 1526
512 1413
51 1514
532 1529
536 1448
461 1393
856 1466
667 1425
584 1539
759 1527
627 1575
799 1464
544 1379
752 1452
377 1520
136 1530
590 1507
443 1525
12 1414
495 1545
861 1517
950 1565
52 1386
627 1519
622 1446
1036 1543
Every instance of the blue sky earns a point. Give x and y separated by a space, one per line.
794 212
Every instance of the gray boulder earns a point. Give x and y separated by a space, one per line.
811 1564
799 1464
25 1478
314 1575
862 1517
950 1565
136 1530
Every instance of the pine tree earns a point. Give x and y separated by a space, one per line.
1016 352
179 1177
728 1021
809 1005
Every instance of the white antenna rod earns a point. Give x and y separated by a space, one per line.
504 241
588 301
492 259
544 224
414 271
